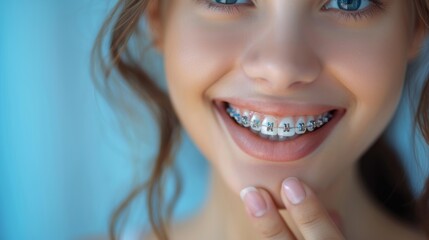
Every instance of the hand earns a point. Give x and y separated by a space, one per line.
308 214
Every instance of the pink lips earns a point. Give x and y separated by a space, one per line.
286 151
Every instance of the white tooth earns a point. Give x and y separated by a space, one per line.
255 122
245 118
325 117
269 126
300 126
319 123
286 127
311 124
263 135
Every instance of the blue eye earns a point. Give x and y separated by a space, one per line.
229 7
348 5
232 1
354 9
346 9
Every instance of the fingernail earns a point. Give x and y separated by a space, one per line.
293 190
254 201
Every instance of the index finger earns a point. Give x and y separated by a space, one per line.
310 216
264 214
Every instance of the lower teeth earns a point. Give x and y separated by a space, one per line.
276 138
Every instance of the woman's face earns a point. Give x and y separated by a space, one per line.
288 64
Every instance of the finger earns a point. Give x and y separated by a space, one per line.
309 215
264 215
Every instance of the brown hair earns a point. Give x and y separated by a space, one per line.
122 25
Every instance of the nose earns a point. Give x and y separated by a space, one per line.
281 56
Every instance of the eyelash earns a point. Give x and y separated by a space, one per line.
231 9
375 7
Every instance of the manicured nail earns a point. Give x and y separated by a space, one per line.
254 201
293 190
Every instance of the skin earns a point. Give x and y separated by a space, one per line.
292 51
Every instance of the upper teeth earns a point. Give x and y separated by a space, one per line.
281 128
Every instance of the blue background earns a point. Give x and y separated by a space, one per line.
65 161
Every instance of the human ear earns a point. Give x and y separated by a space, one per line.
419 34
154 19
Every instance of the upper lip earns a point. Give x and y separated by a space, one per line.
278 108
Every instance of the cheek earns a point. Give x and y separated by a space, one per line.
374 79
198 54
372 69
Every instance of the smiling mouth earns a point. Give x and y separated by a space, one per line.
278 128
284 132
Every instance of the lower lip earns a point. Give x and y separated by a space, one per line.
285 151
